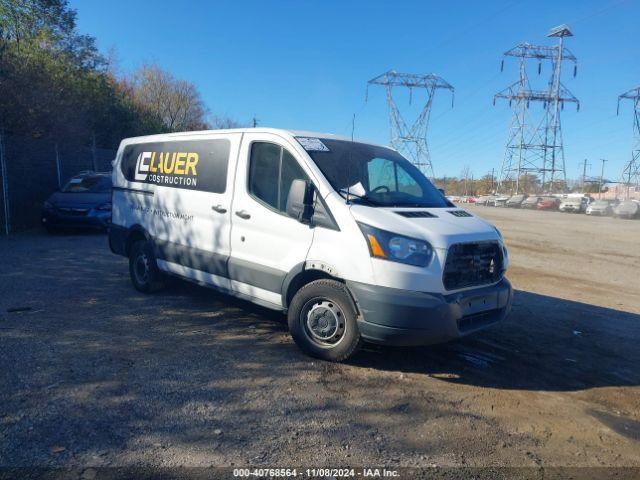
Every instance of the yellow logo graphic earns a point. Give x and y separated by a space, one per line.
178 163
162 167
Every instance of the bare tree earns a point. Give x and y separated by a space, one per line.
223 121
464 177
177 102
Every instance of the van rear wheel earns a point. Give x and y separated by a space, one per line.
143 269
322 321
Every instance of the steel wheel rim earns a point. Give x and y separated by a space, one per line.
323 322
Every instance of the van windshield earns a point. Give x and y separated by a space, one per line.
372 175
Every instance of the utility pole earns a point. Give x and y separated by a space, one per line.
584 173
601 178
411 139
5 188
58 165
536 147
93 153
254 122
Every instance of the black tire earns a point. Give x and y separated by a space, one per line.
143 269
332 332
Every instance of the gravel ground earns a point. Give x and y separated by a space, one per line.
96 374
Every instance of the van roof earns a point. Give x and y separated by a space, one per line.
279 131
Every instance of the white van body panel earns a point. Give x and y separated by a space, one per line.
234 241
182 220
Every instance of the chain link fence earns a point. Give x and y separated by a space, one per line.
32 169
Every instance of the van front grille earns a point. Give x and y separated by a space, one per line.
472 264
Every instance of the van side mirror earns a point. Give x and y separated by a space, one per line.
300 201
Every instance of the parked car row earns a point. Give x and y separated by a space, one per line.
541 203
85 201
584 204
492 200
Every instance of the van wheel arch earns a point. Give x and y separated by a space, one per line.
136 233
299 277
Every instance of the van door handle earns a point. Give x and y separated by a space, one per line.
219 209
243 214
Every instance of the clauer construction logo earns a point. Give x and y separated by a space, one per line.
167 168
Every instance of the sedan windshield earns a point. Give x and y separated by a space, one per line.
95 184
373 175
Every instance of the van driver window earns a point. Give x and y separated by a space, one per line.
272 170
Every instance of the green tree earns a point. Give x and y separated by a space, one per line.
55 83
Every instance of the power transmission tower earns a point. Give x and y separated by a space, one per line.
411 139
536 147
631 170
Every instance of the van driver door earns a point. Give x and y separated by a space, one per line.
266 244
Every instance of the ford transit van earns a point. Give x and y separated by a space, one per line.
349 239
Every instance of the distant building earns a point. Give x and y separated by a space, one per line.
612 191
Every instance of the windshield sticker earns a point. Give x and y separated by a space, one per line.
311 144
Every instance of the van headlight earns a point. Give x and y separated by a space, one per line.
396 248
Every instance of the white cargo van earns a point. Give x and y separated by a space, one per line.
348 238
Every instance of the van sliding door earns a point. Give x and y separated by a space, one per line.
191 217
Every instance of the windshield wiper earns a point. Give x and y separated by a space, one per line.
359 197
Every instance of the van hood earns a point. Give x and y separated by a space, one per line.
441 230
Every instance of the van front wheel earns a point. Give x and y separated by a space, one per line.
322 321
144 272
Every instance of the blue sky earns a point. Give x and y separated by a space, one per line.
304 65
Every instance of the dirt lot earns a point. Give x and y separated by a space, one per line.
95 374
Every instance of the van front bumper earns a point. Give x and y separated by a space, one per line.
402 317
